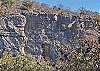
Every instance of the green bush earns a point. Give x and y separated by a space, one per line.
81 61
22 63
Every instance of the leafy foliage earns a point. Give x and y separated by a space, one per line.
22 63
81 60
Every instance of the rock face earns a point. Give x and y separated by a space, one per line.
12 32
34 30
42 28
55 31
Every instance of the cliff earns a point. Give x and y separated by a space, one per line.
39 32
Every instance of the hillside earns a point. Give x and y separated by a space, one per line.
52 34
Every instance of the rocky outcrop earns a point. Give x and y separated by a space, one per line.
12 32
63 28
57 30
34 30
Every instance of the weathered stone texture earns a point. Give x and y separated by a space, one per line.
12 32
33 30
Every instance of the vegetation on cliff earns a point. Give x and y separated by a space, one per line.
22 63
68 58
78 60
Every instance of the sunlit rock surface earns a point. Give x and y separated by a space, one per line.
56 31
12 32
34 30
42 28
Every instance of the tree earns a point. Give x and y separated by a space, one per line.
9 6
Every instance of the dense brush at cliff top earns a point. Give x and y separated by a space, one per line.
13 6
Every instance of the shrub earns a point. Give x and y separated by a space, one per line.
22 63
